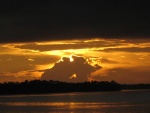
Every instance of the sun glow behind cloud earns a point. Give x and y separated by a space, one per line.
73 76
111 54
71 59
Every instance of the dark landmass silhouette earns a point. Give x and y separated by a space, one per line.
135 86
45 87
42 87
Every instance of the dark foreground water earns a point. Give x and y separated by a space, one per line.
94 102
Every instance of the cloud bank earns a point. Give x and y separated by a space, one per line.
132 75
26 21
75 69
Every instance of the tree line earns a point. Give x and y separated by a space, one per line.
43 86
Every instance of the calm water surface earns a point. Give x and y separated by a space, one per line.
94 102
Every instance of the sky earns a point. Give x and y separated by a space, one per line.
75 41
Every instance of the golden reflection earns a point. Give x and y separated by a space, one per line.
71 105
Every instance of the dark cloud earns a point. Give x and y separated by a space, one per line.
12 77
41 20
16 63
131 49
64 70
76 45
132 75
104 60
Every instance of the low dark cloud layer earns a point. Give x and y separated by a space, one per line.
41 20
63 70
125 75
104 60
16 63
71 45
129 49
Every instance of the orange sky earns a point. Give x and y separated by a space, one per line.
122 60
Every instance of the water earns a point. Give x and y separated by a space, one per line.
88 102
